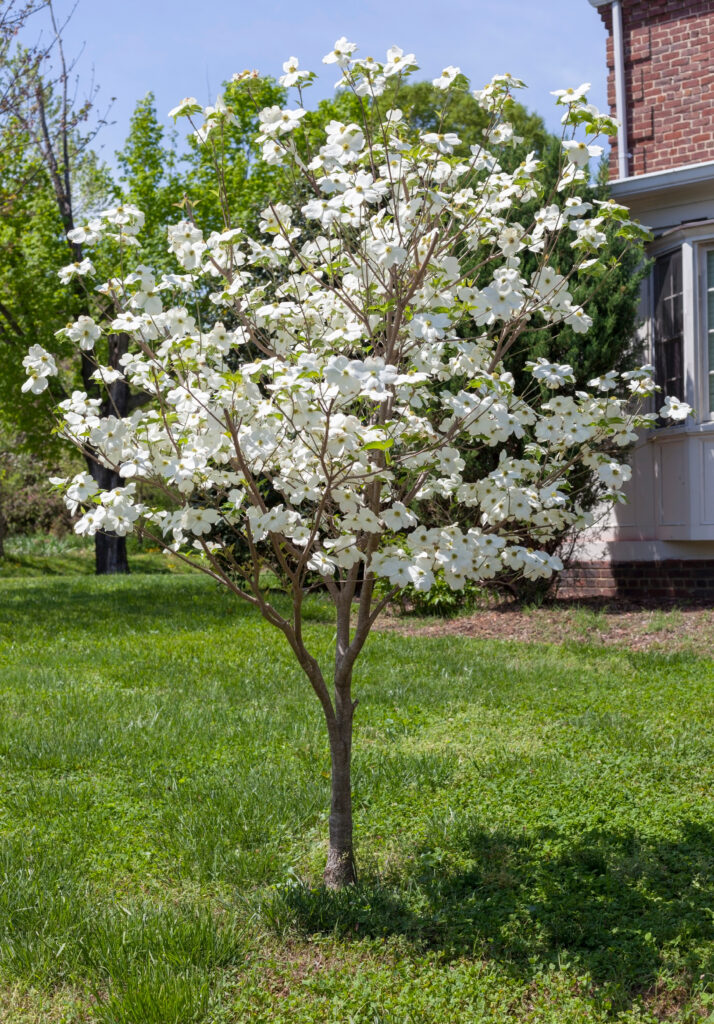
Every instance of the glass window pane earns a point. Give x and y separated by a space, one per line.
675 263
669 324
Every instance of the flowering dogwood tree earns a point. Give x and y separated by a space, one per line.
355 355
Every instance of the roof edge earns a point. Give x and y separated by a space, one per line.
654 181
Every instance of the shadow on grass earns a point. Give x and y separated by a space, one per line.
149 597
625 910
137 596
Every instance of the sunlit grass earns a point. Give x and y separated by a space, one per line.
535 823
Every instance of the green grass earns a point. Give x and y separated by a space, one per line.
45 555
662 621
535 823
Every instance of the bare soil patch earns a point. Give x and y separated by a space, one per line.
668 629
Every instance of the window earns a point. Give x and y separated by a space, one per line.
669 322
710 328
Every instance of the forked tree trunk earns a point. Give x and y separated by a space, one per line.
339 709
340 869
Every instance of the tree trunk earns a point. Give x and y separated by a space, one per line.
340 869
109 549
110 554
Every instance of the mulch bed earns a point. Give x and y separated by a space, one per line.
595 622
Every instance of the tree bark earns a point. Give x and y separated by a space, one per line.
109 549
340 869
110 556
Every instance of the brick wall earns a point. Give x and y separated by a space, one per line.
669 81
640 582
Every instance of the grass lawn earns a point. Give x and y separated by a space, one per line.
44 555
535 822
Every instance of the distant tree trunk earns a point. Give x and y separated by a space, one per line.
3 517
109 549
110 554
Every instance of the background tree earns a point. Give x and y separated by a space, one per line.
45 140
158 177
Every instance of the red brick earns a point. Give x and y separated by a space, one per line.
669 54
645 582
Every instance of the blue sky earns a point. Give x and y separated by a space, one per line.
179 48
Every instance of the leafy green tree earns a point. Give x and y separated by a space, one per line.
162 180
227 180
150 177
32 303
49 175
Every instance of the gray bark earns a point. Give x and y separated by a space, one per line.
341 869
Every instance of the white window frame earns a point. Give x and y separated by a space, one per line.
696 241
704 365
667 250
